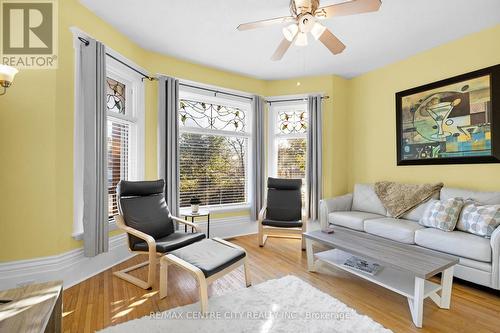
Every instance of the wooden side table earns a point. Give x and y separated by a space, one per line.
32 308
201 213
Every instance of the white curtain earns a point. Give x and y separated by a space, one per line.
168 139
91 127
314 156
258 165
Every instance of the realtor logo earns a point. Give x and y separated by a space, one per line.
29 30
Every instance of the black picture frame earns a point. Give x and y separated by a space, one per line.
494 73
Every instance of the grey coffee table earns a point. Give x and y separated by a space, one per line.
405 268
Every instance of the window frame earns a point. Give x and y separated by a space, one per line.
231 102
273 136
134 101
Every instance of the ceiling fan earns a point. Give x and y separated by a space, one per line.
306 17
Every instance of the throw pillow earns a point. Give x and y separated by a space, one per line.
442 214
479 219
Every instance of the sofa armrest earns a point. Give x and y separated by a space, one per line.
495 258
326 206
495 239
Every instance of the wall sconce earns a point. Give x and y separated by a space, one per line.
7 74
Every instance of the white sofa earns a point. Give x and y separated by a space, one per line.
362 211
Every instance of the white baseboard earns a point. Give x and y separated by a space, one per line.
73 267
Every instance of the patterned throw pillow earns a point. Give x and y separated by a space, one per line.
442 214
479 219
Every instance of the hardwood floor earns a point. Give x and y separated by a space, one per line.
105 300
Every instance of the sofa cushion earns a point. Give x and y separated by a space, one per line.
458 243
396 229
480 265
487 198
479 219
351 220
366 200
442 214
416 213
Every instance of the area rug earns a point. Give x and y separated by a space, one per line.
287 305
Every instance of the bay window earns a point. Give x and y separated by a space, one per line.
214 146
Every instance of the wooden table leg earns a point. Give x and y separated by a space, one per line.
203 290
416 303
163 278
443 300
446 284
246 267
310 255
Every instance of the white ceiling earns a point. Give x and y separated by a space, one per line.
204 32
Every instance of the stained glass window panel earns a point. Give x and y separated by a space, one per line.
115 96
290 122
211 116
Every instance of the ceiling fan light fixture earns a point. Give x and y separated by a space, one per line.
317 30
305 17
290 31
320 14
301 39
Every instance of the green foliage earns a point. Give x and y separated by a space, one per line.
212 168
292 158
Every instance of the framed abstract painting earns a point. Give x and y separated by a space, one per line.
453 121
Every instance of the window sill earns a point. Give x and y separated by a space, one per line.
79 235
221 208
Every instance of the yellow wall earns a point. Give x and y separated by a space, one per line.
372 146
36 128
36 137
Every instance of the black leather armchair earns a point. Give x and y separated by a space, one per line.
283 215
145 217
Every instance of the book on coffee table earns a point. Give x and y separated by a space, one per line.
362 265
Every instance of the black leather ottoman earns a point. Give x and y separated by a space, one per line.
206 260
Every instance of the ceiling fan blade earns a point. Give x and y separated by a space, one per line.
282 48
331 42
265 23
349 8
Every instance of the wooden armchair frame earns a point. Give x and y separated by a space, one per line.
266 231
153 255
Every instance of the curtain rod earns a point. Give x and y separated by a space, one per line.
86 42
150 78
214 91
294 100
